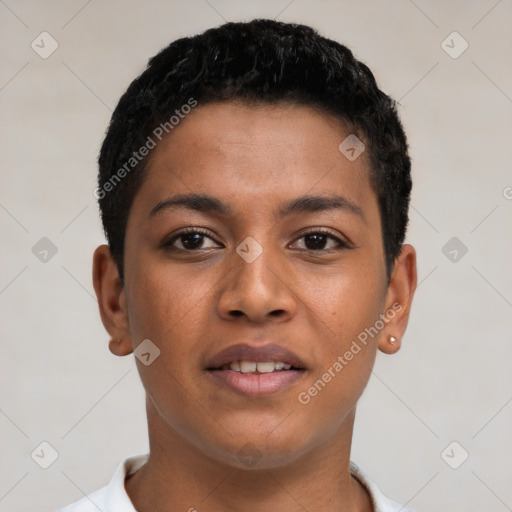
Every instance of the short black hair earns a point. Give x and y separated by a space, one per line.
258 61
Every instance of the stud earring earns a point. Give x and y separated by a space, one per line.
392 339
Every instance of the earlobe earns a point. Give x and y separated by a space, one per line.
399 297
389 344
111 301
119 348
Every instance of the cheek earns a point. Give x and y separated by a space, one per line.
168 309
166 304
174 309
347 299
346 309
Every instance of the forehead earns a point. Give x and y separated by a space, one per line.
256 152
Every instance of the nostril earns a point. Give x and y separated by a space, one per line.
277 312
236 312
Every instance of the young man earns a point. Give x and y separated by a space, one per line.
254 186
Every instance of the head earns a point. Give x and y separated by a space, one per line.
267 139
261 62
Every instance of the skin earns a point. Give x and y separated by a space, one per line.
194 304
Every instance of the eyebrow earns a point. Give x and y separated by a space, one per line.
306 204
198 202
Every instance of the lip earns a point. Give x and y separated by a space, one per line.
256 384
262 353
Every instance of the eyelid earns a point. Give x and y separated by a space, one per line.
343 242
168 241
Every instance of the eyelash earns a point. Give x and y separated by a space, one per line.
341 244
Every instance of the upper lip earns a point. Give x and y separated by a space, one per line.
262 353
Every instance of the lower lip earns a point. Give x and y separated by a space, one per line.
257 384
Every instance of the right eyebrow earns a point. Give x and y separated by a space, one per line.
197 202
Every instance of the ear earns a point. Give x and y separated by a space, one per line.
401 288
111 300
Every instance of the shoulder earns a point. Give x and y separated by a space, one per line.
113 497
380 502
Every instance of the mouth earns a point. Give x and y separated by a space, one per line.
257 367
256 371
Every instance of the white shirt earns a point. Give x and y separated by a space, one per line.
114 498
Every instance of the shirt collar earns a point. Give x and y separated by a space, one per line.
117 498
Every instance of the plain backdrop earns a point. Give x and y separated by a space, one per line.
451 382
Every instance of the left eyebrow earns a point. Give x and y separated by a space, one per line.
310 204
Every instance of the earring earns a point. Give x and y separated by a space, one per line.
392 340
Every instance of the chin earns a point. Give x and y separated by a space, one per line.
254 452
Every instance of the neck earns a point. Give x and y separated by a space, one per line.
179 476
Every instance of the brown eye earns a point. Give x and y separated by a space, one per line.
190 241
319 241
315 241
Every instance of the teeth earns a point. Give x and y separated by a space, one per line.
266 367
235 365
248 366
261 367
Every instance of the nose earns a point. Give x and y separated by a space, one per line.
258 291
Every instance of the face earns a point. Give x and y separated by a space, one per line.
254 263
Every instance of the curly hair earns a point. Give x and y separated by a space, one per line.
261 61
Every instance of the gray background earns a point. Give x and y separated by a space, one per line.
452 379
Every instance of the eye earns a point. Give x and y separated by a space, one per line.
191 240
320 240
